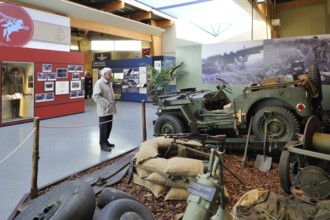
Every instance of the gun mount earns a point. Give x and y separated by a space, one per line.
304 165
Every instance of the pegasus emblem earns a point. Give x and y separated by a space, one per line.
11 25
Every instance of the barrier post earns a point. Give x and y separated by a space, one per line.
35 158
144 130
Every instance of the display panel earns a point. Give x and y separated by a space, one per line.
17 91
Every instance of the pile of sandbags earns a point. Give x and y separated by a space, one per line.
165 176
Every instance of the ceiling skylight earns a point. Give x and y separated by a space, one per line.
213 17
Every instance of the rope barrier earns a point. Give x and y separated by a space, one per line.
3 160
79 126
88 125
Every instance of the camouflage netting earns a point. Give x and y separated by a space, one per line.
264 204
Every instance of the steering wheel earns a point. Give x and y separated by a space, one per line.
223 86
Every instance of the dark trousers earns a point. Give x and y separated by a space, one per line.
15 105
105 128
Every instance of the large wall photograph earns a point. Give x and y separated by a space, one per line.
235 63
293 56
252 61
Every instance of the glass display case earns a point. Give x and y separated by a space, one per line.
17 91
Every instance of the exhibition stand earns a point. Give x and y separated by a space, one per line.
39 83
132 76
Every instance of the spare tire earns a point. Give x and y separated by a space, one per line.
315 77
119 208
74 200
282 123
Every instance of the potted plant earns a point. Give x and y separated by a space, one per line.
162 78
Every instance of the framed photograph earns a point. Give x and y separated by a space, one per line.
81 94
62 72
71 68
73 94
4 68
47 68
79 68
52 76
49 96
75 85
75 76
49 86
42 76
40 97
62 87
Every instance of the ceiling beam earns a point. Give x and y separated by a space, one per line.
112 6
107 29
298 4
140 16
74 10
164 23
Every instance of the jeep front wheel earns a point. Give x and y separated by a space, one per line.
168 124
281 124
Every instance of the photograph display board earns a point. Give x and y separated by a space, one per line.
43 93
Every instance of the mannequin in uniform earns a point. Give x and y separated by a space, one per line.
14 82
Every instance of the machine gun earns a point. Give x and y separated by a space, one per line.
202 138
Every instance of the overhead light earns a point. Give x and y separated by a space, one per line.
261 1
127 45
74 47
102 45
276 22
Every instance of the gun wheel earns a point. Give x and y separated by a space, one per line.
289 170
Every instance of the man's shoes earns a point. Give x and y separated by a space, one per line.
110 145
105 147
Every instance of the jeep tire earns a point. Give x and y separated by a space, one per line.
168 124
282 124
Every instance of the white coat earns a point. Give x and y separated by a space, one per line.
104 97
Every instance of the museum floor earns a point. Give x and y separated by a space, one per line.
67 144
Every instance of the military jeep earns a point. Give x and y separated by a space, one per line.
288 105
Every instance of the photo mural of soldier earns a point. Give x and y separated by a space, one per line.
235 63
292 56
252 61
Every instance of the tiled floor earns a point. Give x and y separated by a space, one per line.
64 151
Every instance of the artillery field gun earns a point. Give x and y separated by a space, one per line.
305 165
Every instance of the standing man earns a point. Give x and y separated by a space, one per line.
88 85
106 106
